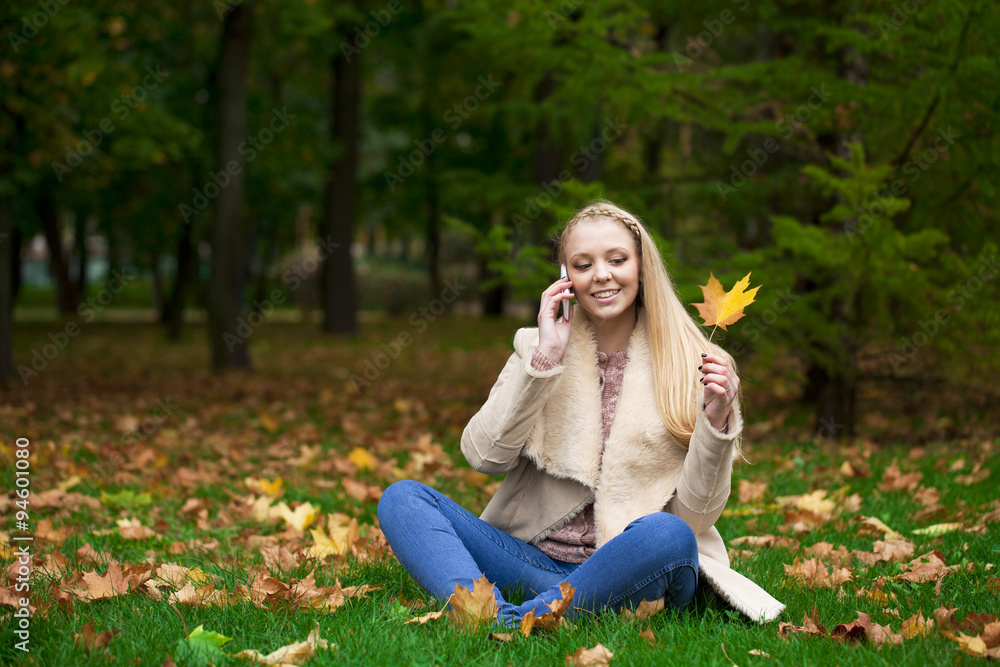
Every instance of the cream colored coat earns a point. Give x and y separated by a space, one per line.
543 428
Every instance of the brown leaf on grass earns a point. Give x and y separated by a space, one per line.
810 626
722 308
926 567
976 475
46 531
591 657
9 597
837 556
893 479
917 626
55 564
426 617
90 640
865 629
751 492
766 541
649 636
885 551
280 557
93 586
473 607
811 573
928 497
870 525
132 529
293 654
802 521
644 610
501 637
552 619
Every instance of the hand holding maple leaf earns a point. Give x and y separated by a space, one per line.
720 309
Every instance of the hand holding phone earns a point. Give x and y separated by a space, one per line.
565 303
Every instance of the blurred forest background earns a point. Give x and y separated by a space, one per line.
218 163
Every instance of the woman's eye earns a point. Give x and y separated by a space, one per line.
619 260
581 267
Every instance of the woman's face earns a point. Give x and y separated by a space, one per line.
603 263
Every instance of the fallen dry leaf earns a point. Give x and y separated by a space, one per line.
90 640
926 567
591 657
893 479
293 654
814 574
553 618
473 607
917 626
751 492
864 629
648 636
810 626
644 610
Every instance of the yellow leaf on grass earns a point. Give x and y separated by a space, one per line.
937 529
303 515
362 458
473 607
722 308
272 488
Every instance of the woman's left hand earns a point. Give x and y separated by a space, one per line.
721 385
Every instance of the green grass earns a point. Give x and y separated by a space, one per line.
227 429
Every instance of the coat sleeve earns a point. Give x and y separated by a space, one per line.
706 478
493 439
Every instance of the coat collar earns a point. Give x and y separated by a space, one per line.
635 471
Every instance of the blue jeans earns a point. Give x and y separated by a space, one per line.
441 544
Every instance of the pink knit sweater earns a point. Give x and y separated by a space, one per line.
576 541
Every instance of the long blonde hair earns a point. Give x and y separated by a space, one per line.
676 341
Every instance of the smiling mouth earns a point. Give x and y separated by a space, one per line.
606 293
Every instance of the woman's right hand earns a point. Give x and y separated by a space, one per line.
553 336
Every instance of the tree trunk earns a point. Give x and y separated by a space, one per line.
48 218
7 252
80 241
173 311
339 299
835 392
229 346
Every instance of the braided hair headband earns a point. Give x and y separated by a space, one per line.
615 214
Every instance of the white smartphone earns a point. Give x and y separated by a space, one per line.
565 303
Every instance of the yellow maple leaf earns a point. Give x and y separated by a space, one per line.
274 488
362 458
722 308
303 515
471 608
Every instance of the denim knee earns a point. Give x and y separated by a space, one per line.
397 498
681 544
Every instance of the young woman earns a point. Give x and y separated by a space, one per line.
617 429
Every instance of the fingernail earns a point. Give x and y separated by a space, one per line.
703 380
699 368
703 354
